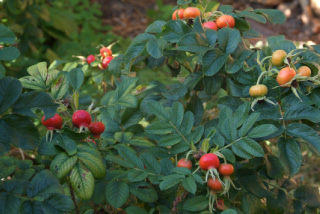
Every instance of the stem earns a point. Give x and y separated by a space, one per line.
196 170
261 75
229 144
22 154
183 137
73 197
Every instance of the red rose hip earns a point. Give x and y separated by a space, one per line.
90 59
209 161
183 163
81 118
96 128
52 123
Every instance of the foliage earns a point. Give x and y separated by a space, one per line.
49 30
150 125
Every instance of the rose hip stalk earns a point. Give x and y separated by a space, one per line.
53 123
211 163
81 119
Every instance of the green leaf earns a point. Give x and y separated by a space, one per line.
273 16
62 164
117 193
134 50
155 27
137 175
254 16
262 131
35 99
76 78
158 110
170 181
247 148
181 170
135 210
229 212
39 70
213 61
254 185
2 71
194 42
126 86
82 181
274 167
60 86
251 204
43 183
228 39
189 184
154 49
159 128
57 203
302 111
306 133
141 142
65 143
173 30
92 160
187 123
128 101
144 192
131 158
123 137
10 90
248 124
9 203
170 140
290 155
308 195
119 161
6 35
151 163
196 203
19 131
9 53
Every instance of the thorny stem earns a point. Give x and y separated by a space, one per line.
73 197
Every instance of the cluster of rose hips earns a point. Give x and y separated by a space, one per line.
80 119
211 163
222 21
287 76
105 57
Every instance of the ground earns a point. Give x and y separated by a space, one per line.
129 17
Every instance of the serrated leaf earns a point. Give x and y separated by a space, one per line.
248 124
170 181
177 112
290 154
151 163
158 110
137 175
189 184
196 203
247 148
262 131
117 193
274 167
60 86
187 123
82 181
173 30
301 111
65 143
154 49
144 192
213 61
308 195
35 99
193 42
62 164
76 77
9 203
123 137
10 90
228 39
169 140
306 133
119 161
7 36
155 27
181 170
43 183
131 158
159 128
